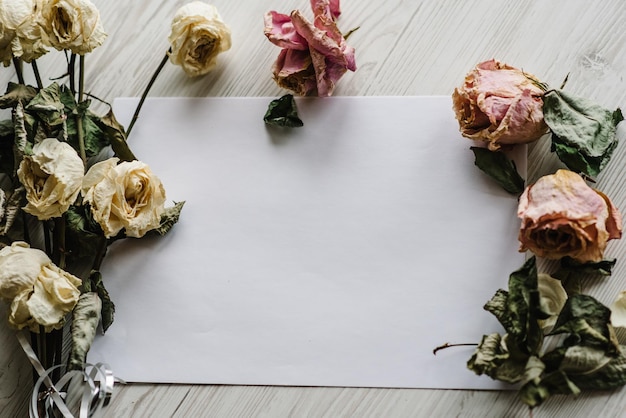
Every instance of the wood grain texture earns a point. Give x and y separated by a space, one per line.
404 47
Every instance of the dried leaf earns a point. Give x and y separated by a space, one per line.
283 112
169 218
589 323
583 132
17 93
497 166
86 317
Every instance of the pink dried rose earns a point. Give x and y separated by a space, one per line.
562 216
499 104
314 55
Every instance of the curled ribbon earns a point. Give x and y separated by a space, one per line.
97 387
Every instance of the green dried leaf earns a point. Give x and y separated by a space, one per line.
498 306
535 392
499 360
21 145
169 218
108 308
17 93
12 202
283 112
47 105
583 132
68 100
603 267
497 166
579 359
94 137
116 136
524 308
86 316
589 322
611 375
84 239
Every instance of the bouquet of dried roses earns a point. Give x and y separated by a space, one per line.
70 184
557 340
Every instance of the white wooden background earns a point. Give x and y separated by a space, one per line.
404 47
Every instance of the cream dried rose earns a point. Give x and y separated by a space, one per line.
562 216
52 177
618 310
20 36
71 24
499 104
40 293
197 37
124 196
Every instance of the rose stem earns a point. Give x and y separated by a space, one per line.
448 345
46 238
18 70
79 117
146 91
37 75
71 70
43 358
59 229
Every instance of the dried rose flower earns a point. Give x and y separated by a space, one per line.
20 36
499 104
562 216
618 310
40 293
52 177
71 24
315 55
124 196
198 36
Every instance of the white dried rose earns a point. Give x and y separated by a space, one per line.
618 310
124 196
52 177
40 293
71 24
552 298
20 36
198 35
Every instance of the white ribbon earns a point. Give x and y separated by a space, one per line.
97 383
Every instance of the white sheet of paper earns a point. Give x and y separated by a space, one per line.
337 254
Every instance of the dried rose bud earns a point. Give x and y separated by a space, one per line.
562 216
499 104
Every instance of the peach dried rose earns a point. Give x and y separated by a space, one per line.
499 104
562 216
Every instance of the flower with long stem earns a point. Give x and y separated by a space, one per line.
147 90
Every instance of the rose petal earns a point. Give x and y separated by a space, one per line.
618 310
280 31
